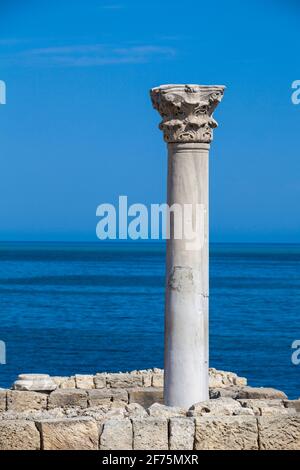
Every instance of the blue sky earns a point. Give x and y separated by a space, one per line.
78 128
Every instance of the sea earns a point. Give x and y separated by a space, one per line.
83 308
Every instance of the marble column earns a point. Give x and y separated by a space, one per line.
187 125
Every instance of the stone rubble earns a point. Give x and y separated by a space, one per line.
125 411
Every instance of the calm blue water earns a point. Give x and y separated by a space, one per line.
80 308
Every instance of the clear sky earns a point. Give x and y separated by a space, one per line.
78 128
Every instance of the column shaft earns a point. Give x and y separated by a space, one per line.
186 307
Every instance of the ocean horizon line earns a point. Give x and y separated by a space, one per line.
131 242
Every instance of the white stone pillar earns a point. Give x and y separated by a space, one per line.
187 124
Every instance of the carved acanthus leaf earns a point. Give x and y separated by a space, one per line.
186 111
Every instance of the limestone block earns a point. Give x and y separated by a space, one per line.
156 370
215 381
240 381
273 410
157 410
224 392
265 407
279 432
134 410
68 382
260 393
182 433
67 398
69 434
105 396
117 403
146 396
2 400
221 378
124 380
102 413
24 401
19 435
147 379
158 379
84 382
100 380
58 380
116 413
226 433
116 435
219 406
35 382
258 405
150 434
33 415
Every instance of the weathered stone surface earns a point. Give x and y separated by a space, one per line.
292 405
124 380
147 379
69 382
19 435
226 433
244 412
182 433
240 381
33 415
105 396
260 393
157 410
158 379
58 380
69 434
2 400
100 380
85 382
272 410
23 401
224 392
146 396
67 398
35 382
216 381
116 413
102 413
116 403
219 406
264 407
134 410
221 378
116 435
279 433
150 434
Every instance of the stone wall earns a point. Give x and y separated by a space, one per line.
124 411
137 378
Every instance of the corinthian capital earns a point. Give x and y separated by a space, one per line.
186 111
